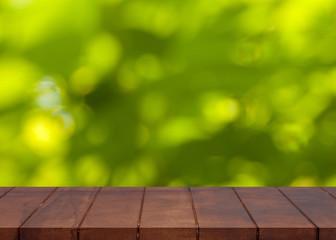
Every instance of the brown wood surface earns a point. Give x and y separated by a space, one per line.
114 215
275 216
60 216
167 215
318 206
15 208
221 216
330 190
158 213
4 190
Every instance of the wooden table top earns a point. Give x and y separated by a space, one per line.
162 213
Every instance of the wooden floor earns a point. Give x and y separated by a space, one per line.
204 213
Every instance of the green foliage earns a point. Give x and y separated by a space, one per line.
167 92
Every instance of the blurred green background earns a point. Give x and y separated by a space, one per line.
167 92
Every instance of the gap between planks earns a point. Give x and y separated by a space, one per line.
248 212
36 209
140 213
303 214
7 192
87 212
194 213
328 192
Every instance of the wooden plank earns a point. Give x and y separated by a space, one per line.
275 216
60 216
16 206
167 215
221 216
114 215
318 206
4 190
330 190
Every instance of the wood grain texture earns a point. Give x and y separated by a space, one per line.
221 216
60 216
114 215
16 206
319 207
3 190
275 216
167 215
330 190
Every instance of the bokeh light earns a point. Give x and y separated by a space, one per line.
167 93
